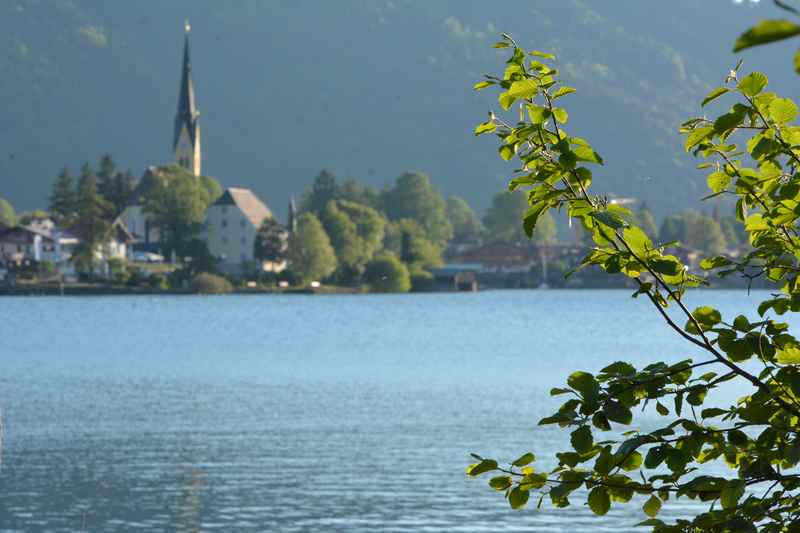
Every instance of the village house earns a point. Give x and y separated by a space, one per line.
42 241
231 225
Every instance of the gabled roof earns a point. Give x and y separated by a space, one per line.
247 202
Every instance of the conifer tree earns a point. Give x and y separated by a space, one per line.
63 200
105 177
92 224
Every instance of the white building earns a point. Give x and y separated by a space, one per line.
231 225
43 241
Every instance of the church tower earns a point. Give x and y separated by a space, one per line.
186 140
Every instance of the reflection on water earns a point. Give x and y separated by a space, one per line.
298 413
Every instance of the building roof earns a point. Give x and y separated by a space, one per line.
187 114
247 202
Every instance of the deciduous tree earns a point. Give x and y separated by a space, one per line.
751 153
311 256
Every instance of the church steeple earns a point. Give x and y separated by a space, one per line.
186 138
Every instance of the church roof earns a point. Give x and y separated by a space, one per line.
187 114
247 202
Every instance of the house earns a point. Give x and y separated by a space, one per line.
42 241
231 225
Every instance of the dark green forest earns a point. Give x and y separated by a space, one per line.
382 85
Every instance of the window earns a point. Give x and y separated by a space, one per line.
224 209
224 223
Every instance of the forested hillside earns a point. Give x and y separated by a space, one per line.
368 88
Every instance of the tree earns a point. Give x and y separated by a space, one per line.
91 222
64 199
545 231
122 187
407 239
311 256
503 216
645 220
177 201
344 239
8 217
105 178
386 273
756 438
694 230
271 241
414 197
353 191
356 232
466 225
322 190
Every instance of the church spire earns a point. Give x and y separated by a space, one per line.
186 138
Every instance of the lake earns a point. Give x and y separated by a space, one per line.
302 413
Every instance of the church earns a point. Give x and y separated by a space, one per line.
231 222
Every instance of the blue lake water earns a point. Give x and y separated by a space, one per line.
301 413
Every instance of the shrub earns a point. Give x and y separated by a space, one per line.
386 273
206 283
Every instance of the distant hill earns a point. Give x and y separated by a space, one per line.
368 88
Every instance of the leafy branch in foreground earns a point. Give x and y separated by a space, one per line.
757 437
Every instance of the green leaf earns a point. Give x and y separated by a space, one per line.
637 240
731 493
584 383
753 83
652 506
501 44
485 127
654 457
562 91
560 115
507 152
585 153
632 462
541 54
487 465
518 497
796 61
599 501
718 181
482 85
697 136
581 439
713 95
616 412
506 100
556 391
766 31
500 482
707 317
714 262
789 355
662 409
524 89
524 459
782 110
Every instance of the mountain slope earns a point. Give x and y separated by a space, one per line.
368 88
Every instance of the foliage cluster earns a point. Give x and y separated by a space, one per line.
751 152
409 222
